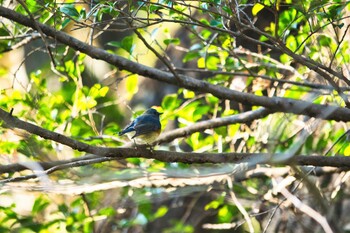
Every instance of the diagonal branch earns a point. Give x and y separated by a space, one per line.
244 117
275 104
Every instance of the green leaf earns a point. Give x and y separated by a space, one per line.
200 111
190 56
97 91
69 9
212 63
82 13
175 41
215 23
154 8
94 90
107 211
171 102
324 40
32 5
285 59
39 205
213 204
104 91
212 99
225 214
335 10
160 212
128 44
204 21
291 43
256 8
205 33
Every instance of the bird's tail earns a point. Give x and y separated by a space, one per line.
125 131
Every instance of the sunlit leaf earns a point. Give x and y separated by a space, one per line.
213 205
171 102
132 85
212 63
201 62
188 94
256 8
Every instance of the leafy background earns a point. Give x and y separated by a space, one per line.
266 48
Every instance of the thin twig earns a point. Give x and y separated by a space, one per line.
37 27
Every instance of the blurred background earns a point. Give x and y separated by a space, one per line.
266 48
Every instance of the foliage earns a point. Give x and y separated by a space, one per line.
288 49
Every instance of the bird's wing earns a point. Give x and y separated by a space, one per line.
145 129
128 128
146 125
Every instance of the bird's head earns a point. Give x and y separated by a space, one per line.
152 111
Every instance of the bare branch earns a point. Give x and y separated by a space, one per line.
307 210
245 117
23 42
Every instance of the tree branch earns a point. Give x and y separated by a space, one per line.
39 30
244 117
59 164
165 156
275 104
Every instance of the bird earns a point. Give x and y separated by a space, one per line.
145 129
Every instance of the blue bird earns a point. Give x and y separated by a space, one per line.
145 129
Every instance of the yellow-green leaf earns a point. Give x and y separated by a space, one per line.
161 212
347 150
201 62
256 8
104 91
131 85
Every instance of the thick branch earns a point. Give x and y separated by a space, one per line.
165 156
275 104
304 160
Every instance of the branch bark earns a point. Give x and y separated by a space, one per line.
274 104
165 156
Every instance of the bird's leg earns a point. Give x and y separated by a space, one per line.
139 146
150 147
135 144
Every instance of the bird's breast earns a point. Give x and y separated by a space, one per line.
148 138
